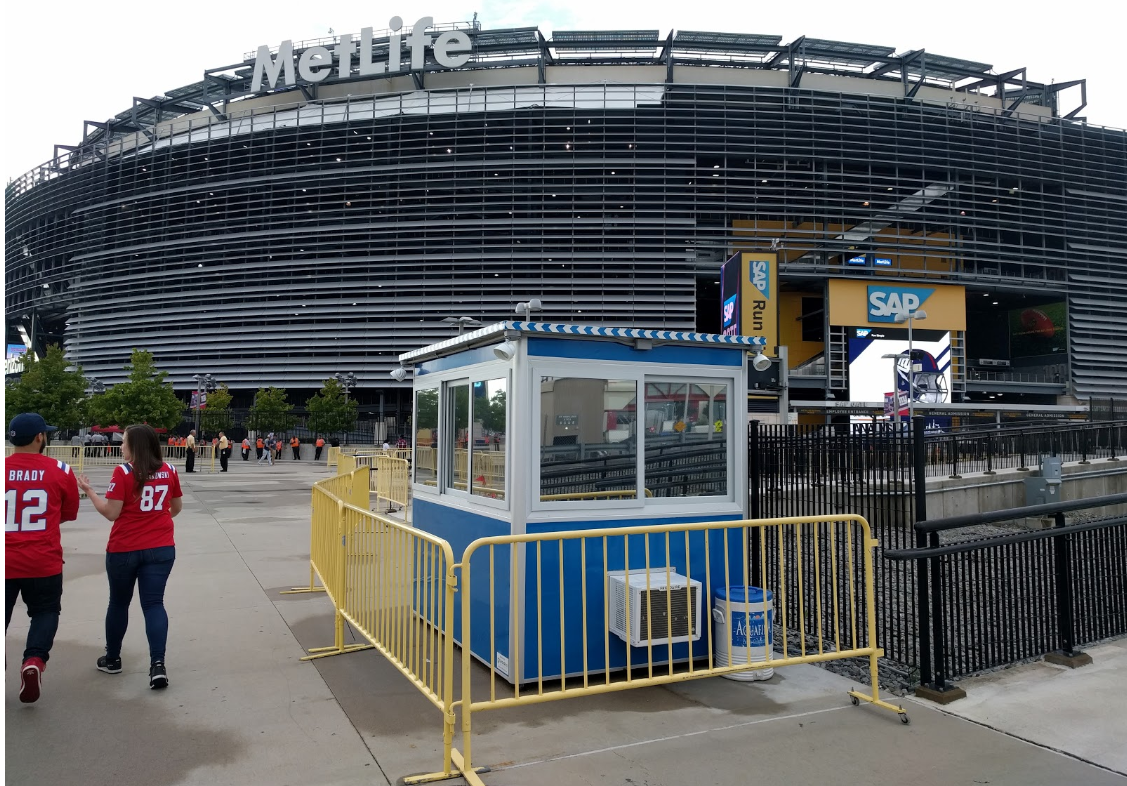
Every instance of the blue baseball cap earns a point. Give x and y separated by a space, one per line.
24 427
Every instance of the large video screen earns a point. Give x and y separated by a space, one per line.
871 373
1039 332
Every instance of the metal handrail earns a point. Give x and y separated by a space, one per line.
1009 514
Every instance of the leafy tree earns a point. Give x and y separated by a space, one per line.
49 386
271 411
216 416
493 418
145 398
330 411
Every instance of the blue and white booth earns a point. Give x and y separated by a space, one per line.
527 427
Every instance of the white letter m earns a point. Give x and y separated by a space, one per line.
270 69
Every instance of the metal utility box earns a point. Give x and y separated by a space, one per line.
527 428
1045 487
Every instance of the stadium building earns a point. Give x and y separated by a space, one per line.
322 206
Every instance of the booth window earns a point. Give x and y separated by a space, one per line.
456 440
686 442
490 412
588 439
426 433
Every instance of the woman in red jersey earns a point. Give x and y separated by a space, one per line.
141 500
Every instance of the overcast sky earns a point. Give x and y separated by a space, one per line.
69 62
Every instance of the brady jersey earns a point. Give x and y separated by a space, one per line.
39 494
146 517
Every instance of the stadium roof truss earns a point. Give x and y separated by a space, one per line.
527 46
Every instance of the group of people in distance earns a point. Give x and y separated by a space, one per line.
141 500
270 448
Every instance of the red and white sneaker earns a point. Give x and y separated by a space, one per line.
31 679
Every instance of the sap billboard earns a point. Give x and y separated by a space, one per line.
862 303
868 311
749 298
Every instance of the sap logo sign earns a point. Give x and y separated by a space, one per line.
886 303
729 310
761 276
863 332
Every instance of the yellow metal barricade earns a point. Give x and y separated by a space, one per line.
345 463
392 481
819 569
395 585
325 531
400 598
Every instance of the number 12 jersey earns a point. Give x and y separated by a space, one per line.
39 494
146 516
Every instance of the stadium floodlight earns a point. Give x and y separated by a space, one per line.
462 322
760 362
526 309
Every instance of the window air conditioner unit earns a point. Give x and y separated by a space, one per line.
658 612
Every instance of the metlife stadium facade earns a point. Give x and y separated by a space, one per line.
312 210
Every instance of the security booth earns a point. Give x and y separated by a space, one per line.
523 428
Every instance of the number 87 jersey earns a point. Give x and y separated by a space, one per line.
39 494
146 513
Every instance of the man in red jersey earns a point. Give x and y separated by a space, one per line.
39 494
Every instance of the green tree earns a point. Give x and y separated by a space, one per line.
145 398
494 415
330 411
271 411
49 386
216 416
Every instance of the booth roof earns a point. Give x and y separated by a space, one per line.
500 330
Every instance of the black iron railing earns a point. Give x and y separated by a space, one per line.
959 453
798 470
994 601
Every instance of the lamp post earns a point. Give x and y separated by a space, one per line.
348 382
900 319
896 386
205 383
462 323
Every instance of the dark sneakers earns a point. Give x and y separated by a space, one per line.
158 676
109 665
31 680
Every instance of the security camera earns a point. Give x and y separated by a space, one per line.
505 350
399 374
760 362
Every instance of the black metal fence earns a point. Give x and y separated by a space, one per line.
1018 447
823 470
1107 409
951 609
990 602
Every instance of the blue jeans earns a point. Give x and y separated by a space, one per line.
148 569
42 596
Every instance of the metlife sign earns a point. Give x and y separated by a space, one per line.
885 303
317 63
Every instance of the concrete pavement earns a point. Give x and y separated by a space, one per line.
242 709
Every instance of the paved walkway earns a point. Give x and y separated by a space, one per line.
242 709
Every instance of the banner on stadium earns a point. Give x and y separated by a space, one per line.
853 303
749 297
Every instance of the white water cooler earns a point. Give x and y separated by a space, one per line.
743 616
